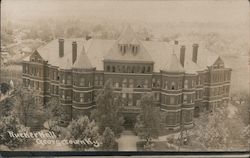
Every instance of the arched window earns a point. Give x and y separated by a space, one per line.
124 83
131 83
186 84
166 84
173 85
146 83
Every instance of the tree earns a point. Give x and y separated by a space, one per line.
6 107
212 131
108 112
4 88
56 115
83 129
12 124
108 140
28 109
148 121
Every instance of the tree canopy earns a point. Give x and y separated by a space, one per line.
83 129
12 124
108 112
28 109
108 140
148 121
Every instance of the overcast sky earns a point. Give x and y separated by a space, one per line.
227 11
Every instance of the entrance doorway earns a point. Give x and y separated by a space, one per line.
129 120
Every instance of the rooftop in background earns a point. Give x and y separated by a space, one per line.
93 52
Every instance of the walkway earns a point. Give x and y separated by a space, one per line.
127 141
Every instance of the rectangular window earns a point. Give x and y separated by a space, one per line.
184 98
68 94
130 99
81 97
172 100
124 95
82 82
96 80
68 79
170 118
63 94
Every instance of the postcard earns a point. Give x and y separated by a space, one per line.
124 76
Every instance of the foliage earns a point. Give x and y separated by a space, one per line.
244 108
6 107
4 87
12 124
148 121
28 109
108 140
108 112
82 129
246 135
55 114
214 133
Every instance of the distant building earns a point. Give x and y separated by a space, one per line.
182 79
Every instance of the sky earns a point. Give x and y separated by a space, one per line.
228 12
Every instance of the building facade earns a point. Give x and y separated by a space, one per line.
183 80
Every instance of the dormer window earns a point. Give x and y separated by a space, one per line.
123 48
134 49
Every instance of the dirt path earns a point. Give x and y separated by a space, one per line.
127 141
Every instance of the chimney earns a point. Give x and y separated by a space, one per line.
176 42
182 55
195 52
61 47
74 51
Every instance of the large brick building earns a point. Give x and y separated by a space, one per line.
183 79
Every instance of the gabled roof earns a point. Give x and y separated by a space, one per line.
174 65
128 37
91 53
82 61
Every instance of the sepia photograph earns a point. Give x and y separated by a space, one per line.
125 76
